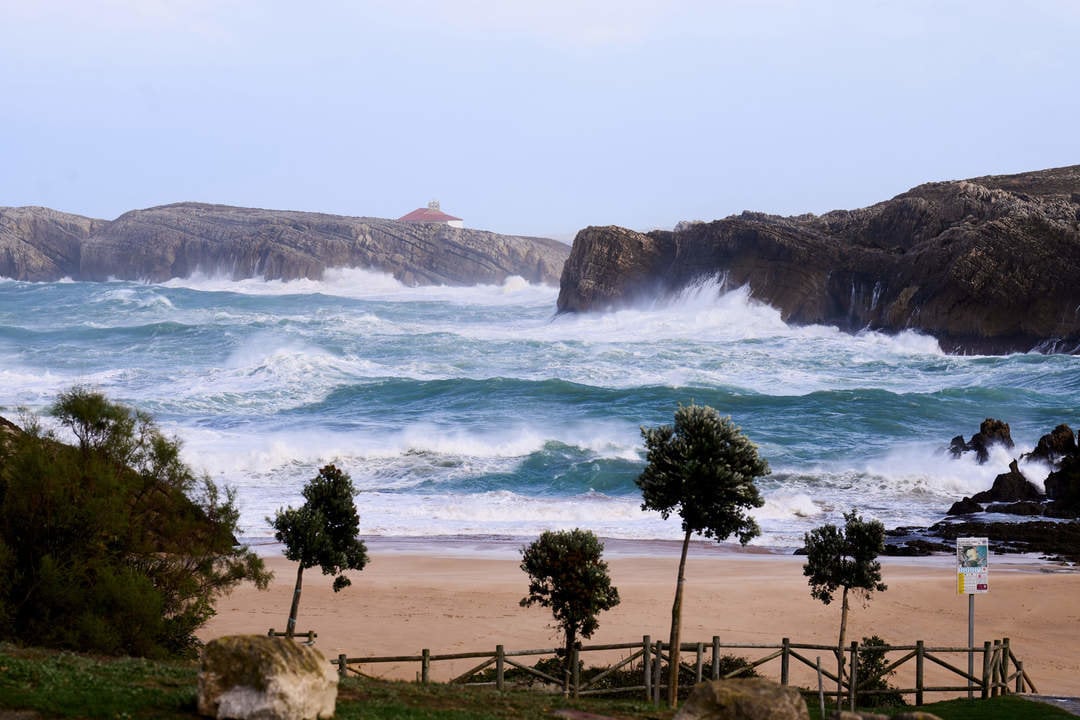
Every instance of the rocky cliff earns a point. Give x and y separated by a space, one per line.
177 240
990 264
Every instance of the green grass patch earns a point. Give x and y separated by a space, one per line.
61 684
68 685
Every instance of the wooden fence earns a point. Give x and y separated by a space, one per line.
1001 672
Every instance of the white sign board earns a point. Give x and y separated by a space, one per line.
972 566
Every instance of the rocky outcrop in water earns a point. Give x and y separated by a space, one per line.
1051 520
177 240
985 265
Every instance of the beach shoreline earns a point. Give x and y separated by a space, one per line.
453 595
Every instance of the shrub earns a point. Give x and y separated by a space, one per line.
113 546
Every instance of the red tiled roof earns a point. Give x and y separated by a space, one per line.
427 215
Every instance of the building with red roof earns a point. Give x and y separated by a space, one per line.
432 214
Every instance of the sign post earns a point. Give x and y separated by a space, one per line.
972 578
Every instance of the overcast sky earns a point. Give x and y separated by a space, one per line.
536 117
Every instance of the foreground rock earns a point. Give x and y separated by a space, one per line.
253 676
743 699
912 715
173 241
984 265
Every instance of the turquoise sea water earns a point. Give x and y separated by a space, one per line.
479 412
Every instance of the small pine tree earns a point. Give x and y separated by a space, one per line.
567 574
844 558
702 468
322 531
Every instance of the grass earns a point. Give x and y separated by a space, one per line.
68 685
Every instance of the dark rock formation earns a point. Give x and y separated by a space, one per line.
1009 487
1060 540
177 240
1055 445
967 506
991 432
1063 486
985 265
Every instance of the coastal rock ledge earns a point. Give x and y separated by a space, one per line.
176 241
987 265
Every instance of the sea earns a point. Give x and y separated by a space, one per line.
481 413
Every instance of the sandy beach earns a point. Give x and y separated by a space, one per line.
456 596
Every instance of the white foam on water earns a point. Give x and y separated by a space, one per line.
364 284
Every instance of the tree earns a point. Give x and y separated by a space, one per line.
703 469
566 573
844 558
322 531
115 546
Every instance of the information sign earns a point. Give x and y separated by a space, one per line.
972 566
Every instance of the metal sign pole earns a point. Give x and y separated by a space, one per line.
972 577
971 644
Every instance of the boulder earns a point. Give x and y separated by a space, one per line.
743 699
1055 445
1063 487
1008 488
967 506
268 678
958 446
991 432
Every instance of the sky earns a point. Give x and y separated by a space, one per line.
535 117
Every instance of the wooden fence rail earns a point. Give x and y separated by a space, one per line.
1002 672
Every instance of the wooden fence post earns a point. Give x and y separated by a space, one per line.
342 666
1004 666
500 657
646 665
920 653
1019 676
425 666
987 664
996 669
853 673
821 687
658 662
700 662
785 661
715 657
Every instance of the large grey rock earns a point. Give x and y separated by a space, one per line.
254 677
38 244
178 240
985 265
743 699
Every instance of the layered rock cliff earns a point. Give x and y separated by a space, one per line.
177 240
990 264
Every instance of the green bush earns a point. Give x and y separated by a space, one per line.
873 678
113 545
